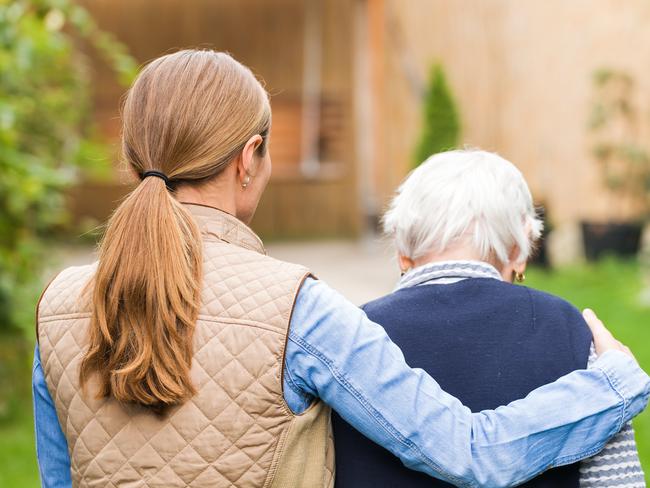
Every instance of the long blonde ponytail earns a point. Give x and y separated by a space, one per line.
187 115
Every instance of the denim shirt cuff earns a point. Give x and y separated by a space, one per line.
627 379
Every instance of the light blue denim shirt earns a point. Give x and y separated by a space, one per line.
335 353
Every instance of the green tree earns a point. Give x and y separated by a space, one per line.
46 136
441 124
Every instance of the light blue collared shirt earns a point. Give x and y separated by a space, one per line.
336 353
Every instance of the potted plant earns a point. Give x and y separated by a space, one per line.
625 167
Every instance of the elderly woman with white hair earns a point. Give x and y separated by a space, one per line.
465 226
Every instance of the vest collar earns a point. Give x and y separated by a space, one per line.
225 227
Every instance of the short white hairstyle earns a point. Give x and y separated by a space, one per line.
464 196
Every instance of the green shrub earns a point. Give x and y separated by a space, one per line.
441 125
46 136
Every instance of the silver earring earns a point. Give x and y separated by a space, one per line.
246 181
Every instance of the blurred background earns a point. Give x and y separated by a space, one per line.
362 91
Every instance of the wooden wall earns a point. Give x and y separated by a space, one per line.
522 74
268 37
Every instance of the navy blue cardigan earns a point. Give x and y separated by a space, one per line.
486 342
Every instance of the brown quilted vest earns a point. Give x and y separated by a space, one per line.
237 431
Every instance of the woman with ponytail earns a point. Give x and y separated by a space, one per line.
188 357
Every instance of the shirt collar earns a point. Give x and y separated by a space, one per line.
225 227
443 272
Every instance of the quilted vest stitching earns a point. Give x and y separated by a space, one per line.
227 435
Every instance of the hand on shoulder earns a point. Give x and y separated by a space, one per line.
603 338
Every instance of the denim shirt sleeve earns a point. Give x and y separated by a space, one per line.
336 353
51 445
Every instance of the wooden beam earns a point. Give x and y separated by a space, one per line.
369 52
311 87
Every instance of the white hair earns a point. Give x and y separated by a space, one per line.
464 196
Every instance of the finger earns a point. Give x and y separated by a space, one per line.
597 327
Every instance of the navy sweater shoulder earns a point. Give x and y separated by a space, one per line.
485 341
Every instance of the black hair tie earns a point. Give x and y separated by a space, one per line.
157 174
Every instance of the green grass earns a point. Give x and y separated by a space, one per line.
611 288
17 455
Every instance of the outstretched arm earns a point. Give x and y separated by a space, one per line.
336 353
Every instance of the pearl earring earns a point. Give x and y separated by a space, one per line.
246 181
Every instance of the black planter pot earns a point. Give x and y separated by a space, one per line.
617 238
